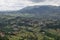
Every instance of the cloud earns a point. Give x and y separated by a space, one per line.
19 4
36 1
46 2
13 4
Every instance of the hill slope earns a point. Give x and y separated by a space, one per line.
38 11
41 9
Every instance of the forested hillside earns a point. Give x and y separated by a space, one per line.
29 28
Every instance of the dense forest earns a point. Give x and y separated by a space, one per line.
29 28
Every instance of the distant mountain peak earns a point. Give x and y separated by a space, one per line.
40 9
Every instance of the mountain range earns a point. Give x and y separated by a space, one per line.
46 10
37 9
41 9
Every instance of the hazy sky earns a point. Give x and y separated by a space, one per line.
18 4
